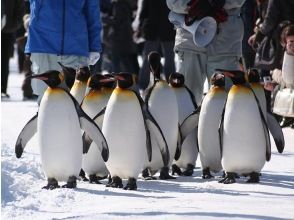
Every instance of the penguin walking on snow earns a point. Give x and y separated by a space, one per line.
128 128
243 132
209 118
161 101
93 104
59 122
186 105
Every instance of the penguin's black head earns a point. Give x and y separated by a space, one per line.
83 74
176 80
52 78
108 83
69 75
253 76
217 79
154 63
237 76
124 80
94 81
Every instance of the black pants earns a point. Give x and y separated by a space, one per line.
6 52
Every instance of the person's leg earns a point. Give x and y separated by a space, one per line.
169 55
6 44
144 76
193 67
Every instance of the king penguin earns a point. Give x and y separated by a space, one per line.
93 103
243 132
186 105
59 122
78 90
161 101
129 127
210 114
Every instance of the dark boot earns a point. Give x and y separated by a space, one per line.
206 174
52 184
189 171
71 183
131 185
116 182
164 175
176 170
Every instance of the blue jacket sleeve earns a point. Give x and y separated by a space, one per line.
94 25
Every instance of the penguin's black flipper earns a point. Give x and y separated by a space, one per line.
87 141
193 99
99 118
179 144
153 132
89 126
190 123
25 135
276 132
221 129
265 128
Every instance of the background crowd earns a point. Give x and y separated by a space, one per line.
110 36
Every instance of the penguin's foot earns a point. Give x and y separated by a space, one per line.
146 175
206 174
164 175
83 176
254 178
176 170
189 171
94 179
131 185
52 184
71 183
229 179
109 179
116 182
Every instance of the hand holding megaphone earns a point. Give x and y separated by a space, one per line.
203 30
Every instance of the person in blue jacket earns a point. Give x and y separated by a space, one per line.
64 31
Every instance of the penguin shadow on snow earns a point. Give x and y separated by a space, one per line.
277 180
116 192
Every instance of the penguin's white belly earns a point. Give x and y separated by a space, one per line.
124 130
189 147
208 137
59 136
244 145
163 106
92 161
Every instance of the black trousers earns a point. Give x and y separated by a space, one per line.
7 40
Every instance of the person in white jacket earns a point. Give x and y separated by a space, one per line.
223 52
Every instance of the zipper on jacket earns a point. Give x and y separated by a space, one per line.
63 27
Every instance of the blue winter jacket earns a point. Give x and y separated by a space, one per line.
64 27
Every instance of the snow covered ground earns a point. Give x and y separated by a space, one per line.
183 198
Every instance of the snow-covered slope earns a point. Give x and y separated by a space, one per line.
183 198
